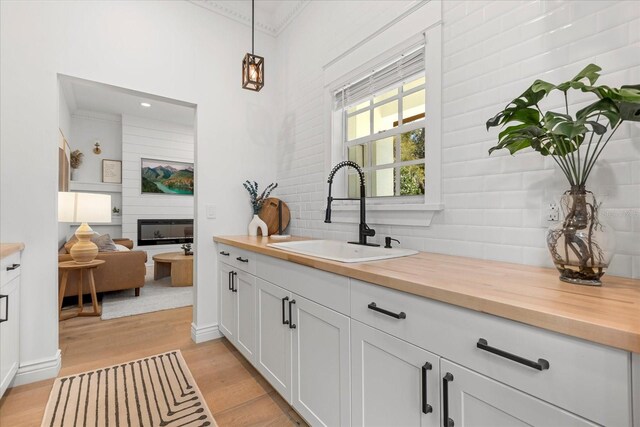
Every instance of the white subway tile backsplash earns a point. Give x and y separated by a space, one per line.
492 51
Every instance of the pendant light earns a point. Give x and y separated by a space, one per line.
252 65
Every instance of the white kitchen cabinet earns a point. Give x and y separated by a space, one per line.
321 364
245 294
9 317
228 306
273 341
394 383
470 399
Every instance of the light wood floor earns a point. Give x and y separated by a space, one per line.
236 394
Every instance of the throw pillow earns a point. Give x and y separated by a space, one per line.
122 248
104 243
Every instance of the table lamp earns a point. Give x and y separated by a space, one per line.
84 208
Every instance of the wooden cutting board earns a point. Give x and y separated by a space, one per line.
269 214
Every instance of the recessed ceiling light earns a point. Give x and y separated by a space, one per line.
145 104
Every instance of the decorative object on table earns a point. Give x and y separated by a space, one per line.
75 160
582 246
96 148
112 171
115 211
187 249
166 177
160 376
257 202
276 215
84 208
252 65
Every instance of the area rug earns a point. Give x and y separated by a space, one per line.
155 391
155 295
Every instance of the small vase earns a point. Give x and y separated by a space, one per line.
256 223
73 174
582 245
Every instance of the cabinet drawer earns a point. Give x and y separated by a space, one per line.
328 289
9 263
237 258
585 378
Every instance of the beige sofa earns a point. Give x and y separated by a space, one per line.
121 270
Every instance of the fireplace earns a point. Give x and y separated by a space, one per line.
164 231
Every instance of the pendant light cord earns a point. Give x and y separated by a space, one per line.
253 3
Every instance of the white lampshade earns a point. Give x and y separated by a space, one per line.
84 207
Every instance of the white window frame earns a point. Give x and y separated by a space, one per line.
426 21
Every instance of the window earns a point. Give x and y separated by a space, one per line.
383 121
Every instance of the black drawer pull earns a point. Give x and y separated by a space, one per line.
426 408
234 282
12 267
284 322
400 315
6 308
242 259
230 280
540 365
446 421
291 324
224 253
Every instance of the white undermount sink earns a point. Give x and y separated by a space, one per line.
341 251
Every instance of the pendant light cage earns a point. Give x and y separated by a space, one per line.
252 65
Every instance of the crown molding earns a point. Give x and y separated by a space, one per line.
272 25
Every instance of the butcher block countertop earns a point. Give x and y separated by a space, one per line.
7 249
608 315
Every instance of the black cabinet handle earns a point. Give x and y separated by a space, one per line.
291 324
284 322
6 308
540 365
234 283
426 408
374 307
446 421
242 259
12 267
224 253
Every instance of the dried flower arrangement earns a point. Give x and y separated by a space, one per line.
258 201
76 159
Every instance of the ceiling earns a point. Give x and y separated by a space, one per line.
84 95
271 16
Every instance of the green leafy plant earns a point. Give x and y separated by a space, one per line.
258 201
574 143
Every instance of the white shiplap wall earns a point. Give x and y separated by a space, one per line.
492 50
151 139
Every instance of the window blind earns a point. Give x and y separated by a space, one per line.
409 64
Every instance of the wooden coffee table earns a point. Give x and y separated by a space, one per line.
175 264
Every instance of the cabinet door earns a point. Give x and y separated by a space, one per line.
473 400
321 390
9 330
273 352
227 302
245 287
394 383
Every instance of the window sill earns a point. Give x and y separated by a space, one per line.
417 215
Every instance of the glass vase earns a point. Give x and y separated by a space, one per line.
582 244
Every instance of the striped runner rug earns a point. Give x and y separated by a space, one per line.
154 391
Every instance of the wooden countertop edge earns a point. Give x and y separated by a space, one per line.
589 330
7 249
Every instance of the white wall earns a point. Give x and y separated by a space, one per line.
492 51
86 128
170 48
152 139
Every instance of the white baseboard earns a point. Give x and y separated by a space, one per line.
205 333
38 370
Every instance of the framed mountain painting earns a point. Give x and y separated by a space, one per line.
166 177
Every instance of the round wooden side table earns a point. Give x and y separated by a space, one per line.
68 266
175 264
